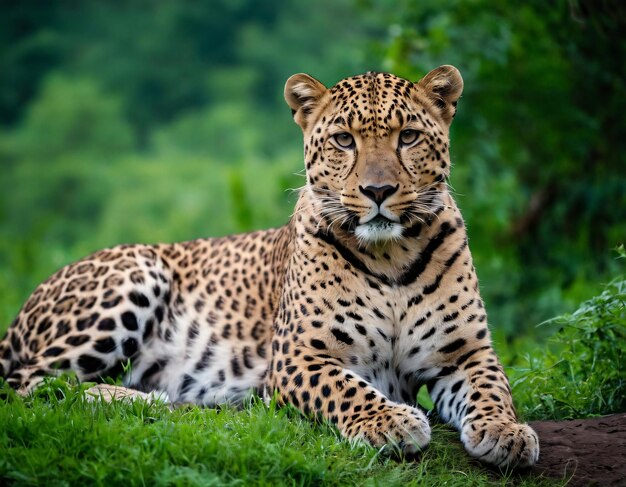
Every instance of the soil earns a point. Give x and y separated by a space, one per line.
585 451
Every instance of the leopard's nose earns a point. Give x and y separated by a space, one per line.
378 194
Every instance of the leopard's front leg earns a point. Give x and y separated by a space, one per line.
474 396
317 383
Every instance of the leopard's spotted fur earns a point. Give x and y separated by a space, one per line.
366 294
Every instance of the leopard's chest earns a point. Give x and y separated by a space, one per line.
362 330
386 335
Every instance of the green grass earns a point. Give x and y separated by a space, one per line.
56 437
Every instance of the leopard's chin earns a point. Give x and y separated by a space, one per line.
379 229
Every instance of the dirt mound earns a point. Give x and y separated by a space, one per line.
590 451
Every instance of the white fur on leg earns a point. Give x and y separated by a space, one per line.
108 393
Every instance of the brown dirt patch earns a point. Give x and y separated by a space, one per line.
590 451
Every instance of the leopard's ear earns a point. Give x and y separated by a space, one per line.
443 86
302 94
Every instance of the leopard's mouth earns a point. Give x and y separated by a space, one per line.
379 229
379 221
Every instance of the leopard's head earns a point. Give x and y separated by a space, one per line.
376 149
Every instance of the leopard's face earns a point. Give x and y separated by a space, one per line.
376 149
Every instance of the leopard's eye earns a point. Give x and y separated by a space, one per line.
408 136
344 139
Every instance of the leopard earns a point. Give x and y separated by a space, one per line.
366 295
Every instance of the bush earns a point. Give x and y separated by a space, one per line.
583 371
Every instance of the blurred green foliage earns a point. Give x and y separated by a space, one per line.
163 121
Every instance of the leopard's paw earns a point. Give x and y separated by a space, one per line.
402 426
501 444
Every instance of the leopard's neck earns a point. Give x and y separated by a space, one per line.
393 263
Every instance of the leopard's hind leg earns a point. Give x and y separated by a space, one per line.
91 318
